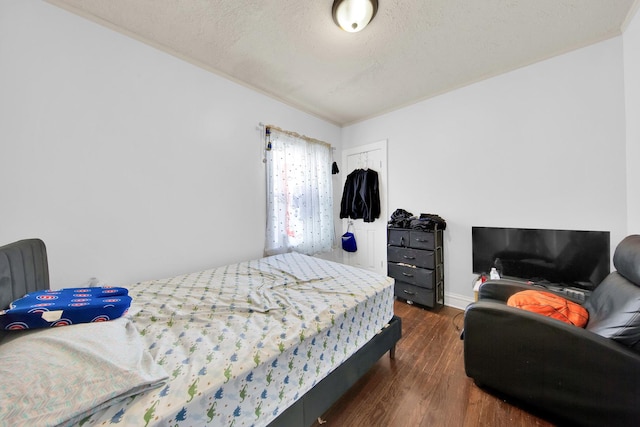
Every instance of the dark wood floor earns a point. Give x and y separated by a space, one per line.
425 385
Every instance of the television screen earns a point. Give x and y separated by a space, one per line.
568 257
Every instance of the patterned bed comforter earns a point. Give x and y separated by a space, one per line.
242 342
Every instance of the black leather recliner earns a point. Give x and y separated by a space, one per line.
573 376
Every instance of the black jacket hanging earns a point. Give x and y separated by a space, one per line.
361 196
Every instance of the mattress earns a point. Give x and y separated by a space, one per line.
243 342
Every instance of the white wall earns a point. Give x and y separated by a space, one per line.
539 147
132 164
632 90
129 163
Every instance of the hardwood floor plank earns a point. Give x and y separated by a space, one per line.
426 384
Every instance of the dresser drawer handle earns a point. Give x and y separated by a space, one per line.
422 240
407 274
408 292
408 257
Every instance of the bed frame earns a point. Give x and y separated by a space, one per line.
24 268
306 410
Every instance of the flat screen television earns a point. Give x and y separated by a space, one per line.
565 257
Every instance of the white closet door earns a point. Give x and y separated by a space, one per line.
371 237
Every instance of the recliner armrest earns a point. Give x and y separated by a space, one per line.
579 376
502 289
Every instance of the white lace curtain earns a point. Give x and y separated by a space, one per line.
299 195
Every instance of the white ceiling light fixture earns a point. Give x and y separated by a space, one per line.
354 15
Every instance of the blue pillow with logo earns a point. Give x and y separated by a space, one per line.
63 307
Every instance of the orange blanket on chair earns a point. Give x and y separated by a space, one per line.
550 305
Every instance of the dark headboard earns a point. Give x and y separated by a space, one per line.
23 269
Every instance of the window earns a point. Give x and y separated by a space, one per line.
299 195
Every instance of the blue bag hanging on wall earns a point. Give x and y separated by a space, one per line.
349 241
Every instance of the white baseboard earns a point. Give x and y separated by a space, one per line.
457 300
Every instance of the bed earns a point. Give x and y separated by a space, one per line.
273 341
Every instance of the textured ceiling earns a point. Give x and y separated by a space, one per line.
412 50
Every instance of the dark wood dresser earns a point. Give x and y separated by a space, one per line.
416 262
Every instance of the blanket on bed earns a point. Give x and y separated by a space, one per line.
57 376
244 341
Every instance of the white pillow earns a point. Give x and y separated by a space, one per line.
64 374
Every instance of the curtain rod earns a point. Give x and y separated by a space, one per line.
296 135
